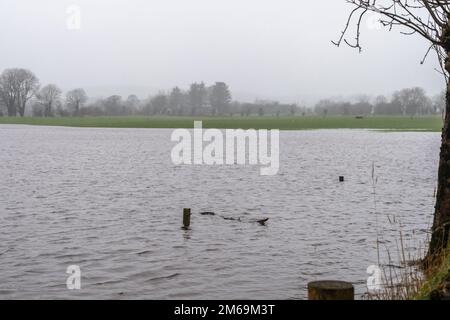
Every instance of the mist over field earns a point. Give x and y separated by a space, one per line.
263 50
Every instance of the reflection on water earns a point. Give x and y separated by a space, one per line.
110 201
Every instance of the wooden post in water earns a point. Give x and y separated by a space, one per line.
330 290
186 218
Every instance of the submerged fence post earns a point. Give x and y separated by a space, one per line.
186 218
330 290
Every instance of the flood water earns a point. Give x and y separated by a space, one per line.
111 201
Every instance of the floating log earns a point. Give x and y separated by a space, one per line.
330 290
210 213
207 213
263 221
186 218
232 219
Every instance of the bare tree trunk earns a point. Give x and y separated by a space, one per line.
22 109
441 223
48 110
12 111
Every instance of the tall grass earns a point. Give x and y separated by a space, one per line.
404 276
437 284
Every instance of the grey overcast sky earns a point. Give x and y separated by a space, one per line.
262 48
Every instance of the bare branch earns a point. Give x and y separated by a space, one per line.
427 18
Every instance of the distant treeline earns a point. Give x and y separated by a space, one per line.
21 94
406 102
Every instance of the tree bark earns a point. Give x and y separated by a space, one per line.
441 224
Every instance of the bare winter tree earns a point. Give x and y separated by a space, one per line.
220 98
75 99
48 96
17 87
26 86
412 101
429 19
8 91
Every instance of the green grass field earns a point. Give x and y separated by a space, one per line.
282 123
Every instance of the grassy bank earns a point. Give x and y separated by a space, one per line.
437 284
282 123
